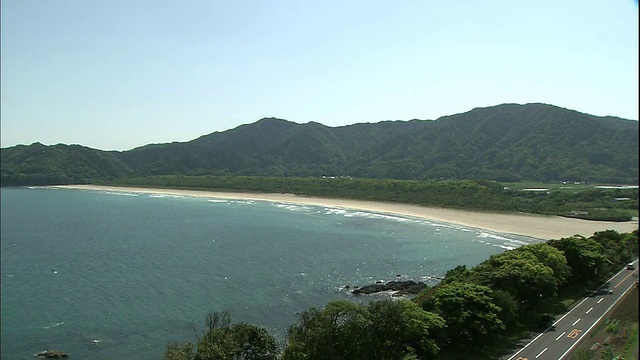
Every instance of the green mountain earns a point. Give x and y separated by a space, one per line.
507 142
38 164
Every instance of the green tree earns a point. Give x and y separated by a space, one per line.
470 314
618 248
382 330
551 257
224 341
178 351
401 329
334 332
521 274
584 256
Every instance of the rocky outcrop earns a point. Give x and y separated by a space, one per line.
52 354
408 287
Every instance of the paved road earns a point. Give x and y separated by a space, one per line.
562 337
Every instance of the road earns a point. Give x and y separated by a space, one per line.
565 333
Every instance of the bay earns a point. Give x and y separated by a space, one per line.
103 274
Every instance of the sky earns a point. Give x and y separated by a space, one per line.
118 74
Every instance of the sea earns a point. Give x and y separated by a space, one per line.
119 275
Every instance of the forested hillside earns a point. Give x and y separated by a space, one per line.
507 142
38 164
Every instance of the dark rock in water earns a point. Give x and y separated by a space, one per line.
51 354
402 287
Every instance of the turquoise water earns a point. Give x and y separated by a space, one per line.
134 271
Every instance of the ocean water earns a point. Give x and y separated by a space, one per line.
106 275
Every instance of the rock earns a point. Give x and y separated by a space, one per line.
402 287
52 354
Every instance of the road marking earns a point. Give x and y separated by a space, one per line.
573 307
574 333
541 352
574 324
625 278
558 338
597 321
600 300
588 311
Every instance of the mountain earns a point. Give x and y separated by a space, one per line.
38 164
507 142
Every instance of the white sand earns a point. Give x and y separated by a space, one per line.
537 226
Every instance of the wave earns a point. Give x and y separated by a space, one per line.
120 193
167 196
53 325
498 237
506 243
293 207
505 247
510 243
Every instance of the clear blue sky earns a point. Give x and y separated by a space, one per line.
119 74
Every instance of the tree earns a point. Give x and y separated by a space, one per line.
224 341
551 257
520 273
459 273
584 256
382 330
254 343
470 314
334 332
618 248
178 351
401 329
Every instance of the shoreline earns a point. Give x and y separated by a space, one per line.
542 227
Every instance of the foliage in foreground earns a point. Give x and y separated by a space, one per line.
472 312
383 329
226 341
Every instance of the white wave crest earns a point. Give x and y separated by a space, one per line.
171 196
53 325
119 193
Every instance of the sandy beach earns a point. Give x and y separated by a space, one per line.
537 226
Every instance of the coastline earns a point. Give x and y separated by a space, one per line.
536 226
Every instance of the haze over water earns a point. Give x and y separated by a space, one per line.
134 271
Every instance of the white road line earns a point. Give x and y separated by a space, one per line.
574 324
558 338
600 300
588 311
595 323
573 307
541 352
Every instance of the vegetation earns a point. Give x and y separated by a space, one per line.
477 312
467 194
38 164
381 330
503 143
225 341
